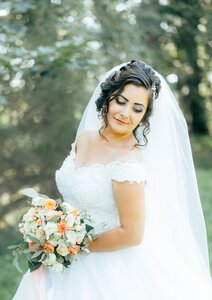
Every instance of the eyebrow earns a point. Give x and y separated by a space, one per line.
128 100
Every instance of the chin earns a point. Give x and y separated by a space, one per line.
118 129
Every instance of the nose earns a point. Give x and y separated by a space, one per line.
125 112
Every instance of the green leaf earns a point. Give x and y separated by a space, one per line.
43 196
33 239
96 230
11 247
59 201
30 192
21 212
16 264
43 257
66 263
31 248
54 219
67 257
36 254
86 250
61 260
34 265
88 227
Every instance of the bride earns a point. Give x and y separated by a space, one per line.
131 166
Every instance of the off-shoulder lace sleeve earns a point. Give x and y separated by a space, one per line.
132 171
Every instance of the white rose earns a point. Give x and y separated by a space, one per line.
67 206
42 213
57 267
30 227
54 239
38 201
80 237
22 230
50 259
78 227
29 215
83 226
70 219
52 213
77 221
71 236
50 228
40 234
62 250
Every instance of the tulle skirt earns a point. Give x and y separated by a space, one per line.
139 272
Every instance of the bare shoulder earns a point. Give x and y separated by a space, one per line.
84 139
139 155
136 154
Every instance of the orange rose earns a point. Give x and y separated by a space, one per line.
38 222
50 204
62 227
73 250
31 244
48 248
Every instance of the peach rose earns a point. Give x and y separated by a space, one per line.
74 212
50 204
48 248
62 227
35 209
38 222
73 250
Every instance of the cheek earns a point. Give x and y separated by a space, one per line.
138 118
113 108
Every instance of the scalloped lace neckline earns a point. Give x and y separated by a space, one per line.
115 162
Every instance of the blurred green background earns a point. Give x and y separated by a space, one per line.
53 53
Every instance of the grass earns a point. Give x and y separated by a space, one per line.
9 277
202 152
205 188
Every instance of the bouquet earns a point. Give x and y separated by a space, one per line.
53 231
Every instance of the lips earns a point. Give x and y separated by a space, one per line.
120 121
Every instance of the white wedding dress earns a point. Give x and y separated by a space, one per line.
137 272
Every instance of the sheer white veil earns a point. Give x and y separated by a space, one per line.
174 216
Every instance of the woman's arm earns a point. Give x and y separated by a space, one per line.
130 203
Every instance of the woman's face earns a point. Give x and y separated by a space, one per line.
127 110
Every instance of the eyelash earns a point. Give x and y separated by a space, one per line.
122 103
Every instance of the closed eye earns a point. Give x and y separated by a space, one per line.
123 102
138 110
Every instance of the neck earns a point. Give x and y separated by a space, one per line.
118 140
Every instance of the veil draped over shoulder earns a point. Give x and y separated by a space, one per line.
174 221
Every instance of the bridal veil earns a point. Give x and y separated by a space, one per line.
174 217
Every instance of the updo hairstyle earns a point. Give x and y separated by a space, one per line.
137 73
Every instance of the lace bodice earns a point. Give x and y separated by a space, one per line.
90 187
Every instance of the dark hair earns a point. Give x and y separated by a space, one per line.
139 74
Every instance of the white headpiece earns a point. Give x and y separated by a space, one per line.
174 219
